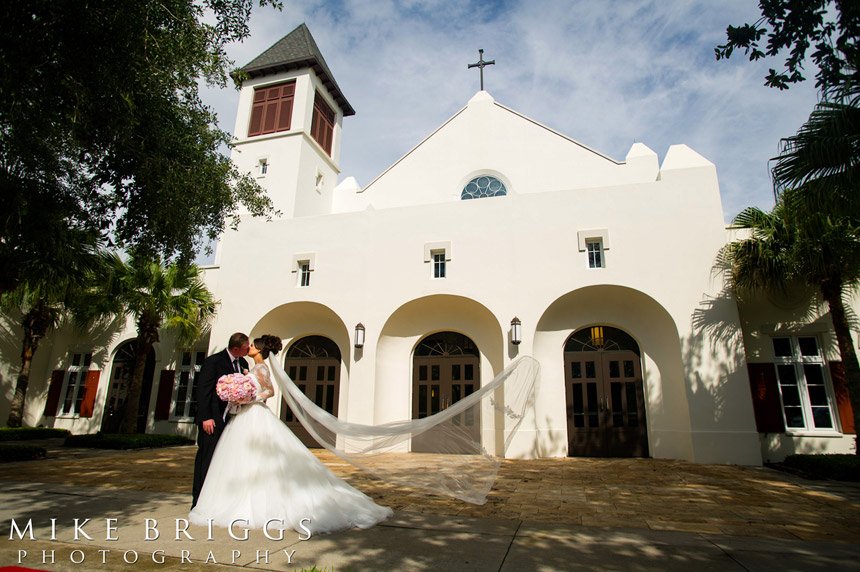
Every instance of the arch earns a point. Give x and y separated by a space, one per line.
604 395
601 338
483 186
294 322
314 363
652 328
317 347
122 365
412 322
445 344
446 367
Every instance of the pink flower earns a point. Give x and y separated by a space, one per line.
236 388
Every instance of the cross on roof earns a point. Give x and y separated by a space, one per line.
480 64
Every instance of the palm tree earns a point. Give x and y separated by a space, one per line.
158 296
818 172
797 244
823 158
49 289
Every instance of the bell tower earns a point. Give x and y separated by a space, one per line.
288 125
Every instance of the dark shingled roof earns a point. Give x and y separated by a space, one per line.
297 50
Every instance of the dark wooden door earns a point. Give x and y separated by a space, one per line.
319 379
439 382
605 404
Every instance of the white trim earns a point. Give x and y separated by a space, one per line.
599 233
193 369
309 257
431 247
263 160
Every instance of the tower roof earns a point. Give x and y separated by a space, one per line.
297 50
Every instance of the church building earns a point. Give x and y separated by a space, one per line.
495 237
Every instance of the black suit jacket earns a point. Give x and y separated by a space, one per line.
209 405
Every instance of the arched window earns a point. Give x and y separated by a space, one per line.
598 338
483 186
446 344
314 347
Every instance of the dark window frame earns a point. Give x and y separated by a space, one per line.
272 109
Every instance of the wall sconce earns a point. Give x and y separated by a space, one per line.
359 336
516 331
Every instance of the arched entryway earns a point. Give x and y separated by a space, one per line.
446 368
121 371
313 363
604 394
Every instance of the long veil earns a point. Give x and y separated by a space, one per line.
449 450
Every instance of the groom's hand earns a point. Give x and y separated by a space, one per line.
209 426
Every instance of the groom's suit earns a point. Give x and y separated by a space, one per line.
210 406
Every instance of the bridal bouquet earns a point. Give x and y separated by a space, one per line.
236 388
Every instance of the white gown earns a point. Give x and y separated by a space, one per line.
261 471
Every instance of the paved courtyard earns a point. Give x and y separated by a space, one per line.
648 494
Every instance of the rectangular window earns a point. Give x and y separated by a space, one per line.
263 167
595 253
304 273
438 264
73 386
186 384
803 384
272 109
322 125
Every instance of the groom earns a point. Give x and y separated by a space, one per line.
210 409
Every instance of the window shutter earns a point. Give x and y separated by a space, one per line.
256 126
91 386
269 116
765 397
322 124
54 389
285 115
843 399
165 394
272 109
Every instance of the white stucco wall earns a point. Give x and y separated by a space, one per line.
295 158
488 138
775 315
518 255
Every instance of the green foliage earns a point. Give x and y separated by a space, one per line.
10 452
795 243
102 129
812 236
827 30
156 296
46 290
119 441
836 467
171 296
823 158
28 433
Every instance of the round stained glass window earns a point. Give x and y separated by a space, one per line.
483 186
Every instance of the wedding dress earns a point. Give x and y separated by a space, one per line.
262 472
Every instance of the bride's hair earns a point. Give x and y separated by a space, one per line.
268 344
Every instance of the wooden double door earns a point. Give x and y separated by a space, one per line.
318 378
605 404
121 372
438 383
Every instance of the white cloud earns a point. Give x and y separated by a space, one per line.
605 73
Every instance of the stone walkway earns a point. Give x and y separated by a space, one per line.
647 494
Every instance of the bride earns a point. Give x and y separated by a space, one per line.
262 472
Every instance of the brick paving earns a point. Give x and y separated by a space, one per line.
650 494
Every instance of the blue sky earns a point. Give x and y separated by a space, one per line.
606 73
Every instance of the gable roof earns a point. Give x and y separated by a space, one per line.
294 51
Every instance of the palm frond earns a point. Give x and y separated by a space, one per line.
824 155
